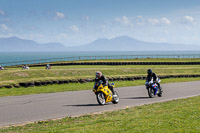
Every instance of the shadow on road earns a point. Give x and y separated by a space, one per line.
135 98
78 105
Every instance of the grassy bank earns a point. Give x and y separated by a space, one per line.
16 75
173 116
79 86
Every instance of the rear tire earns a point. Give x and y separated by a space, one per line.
151 92
101 98
115 99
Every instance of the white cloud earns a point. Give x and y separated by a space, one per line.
162 21
124 21
154 21
2 12
4 28
187 20
59 15
139 16
165 21
74 28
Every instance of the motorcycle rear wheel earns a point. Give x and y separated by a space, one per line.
101 98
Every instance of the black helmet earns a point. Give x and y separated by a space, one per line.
149 71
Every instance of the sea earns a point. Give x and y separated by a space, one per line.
17 58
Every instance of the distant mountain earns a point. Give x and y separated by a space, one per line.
122 43
125 43
16 44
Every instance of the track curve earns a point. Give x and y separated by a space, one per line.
29 108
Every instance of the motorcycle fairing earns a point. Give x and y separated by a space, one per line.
106 91
155 87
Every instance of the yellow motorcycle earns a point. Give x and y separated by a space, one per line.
104 94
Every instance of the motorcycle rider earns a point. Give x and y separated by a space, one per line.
151 75
48 66
100 76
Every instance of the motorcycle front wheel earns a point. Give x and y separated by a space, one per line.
101 98
151 92
160 92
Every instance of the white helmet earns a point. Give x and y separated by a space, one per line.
98 74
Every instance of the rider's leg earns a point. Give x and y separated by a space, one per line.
111 88
159 87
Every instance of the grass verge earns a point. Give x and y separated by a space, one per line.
173 116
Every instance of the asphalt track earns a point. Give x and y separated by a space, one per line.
16 110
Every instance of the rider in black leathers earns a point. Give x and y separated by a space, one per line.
151 75
100 76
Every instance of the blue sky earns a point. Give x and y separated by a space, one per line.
77 22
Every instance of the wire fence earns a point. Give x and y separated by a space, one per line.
79 58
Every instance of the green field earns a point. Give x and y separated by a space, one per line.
16 75
169 117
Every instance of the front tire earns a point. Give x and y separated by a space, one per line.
115 99
151 92
101 98
160 92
